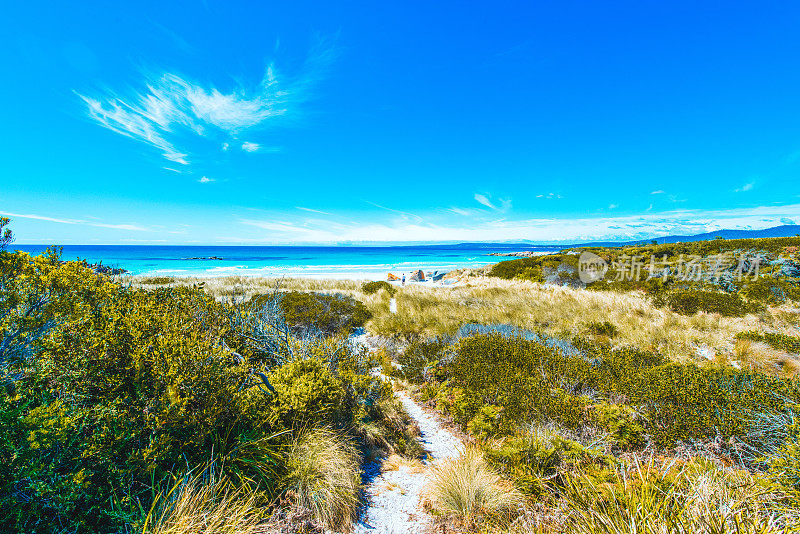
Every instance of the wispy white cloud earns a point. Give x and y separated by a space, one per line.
462 211
644 226
312 210
129 227
657 192
205 180
171 106
485 200
613 206
405 215
548 195
746 187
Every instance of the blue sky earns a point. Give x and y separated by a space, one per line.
307 122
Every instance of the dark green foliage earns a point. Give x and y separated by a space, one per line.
319 312
604 328
373 287
691 301
556 268
677 402
774 245
157 280
514 374
539 460
6 236
129 386
776 341
419 359
306 391
621 423
770 290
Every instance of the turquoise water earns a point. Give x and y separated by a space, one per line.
317 262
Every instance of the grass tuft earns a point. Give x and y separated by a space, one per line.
323 474
201 504
688 499
470 491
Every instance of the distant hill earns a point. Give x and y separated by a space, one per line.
786 230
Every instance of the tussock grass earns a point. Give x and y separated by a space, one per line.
201 504
471 492
670 499
323 476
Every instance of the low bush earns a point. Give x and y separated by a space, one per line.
371 288
107 389
156 280
621 423
539 460
486 423
776 341
418 362
604 328
306 390
310 313
691 301
677 402
770 290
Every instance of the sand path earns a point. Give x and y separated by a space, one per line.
393 496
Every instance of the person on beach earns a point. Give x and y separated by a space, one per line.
404 280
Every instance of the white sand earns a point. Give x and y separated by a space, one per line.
393 497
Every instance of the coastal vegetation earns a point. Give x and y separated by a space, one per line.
655 404
142 410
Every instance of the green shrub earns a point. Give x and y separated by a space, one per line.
685 402
770 290
420 356
677 402
540 460
156 280
319 312
776 341
557 268
486 423
460 404
306 390
621 423
604 328
691 301
114 388
373 287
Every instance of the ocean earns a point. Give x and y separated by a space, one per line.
353 262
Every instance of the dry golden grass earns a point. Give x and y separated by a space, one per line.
324 475
467 490
395 462
668 498
558 311
197 506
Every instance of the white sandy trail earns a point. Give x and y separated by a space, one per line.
394 496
